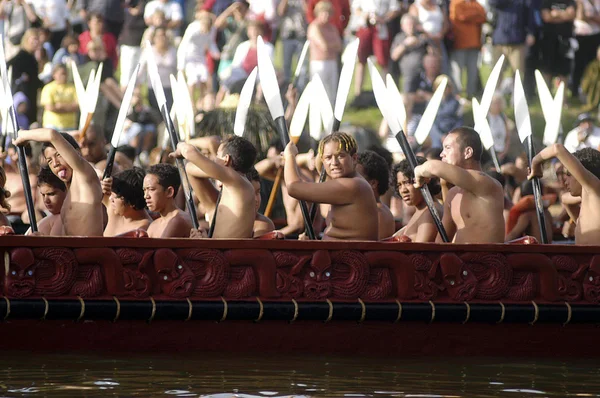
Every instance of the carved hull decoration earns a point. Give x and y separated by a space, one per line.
286 275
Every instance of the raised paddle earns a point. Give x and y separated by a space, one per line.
91 98
485 133
386 107
268 81
426 122
300 64
523 122
551 108
349 62
239 126
121 119
159 93
296 127
13 128
480 115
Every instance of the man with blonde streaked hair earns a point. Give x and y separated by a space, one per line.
349 195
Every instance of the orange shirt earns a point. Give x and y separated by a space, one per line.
467 17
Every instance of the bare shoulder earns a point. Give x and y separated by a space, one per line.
486 179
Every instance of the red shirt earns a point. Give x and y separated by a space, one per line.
340 17
251 60
110 46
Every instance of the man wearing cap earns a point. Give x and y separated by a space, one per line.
585 135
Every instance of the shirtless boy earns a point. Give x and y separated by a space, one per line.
420 227
353 214
125 203
262 224
375 170
53 192
161 184
582 179
235 157
81 212
473 207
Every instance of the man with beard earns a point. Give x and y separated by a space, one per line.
420 227
125 203
473 211
81 212
161 184
353 213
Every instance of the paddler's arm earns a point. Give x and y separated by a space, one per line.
519 229
210 143
334 192
66 150
477 183
585 177
224 174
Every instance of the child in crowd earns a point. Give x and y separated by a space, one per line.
198 39
60 102
68 51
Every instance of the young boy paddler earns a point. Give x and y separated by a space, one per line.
125 203
81 212
235 157
53 192
582 179
353 214
473 210
161 184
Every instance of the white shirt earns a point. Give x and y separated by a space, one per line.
55 11
573 144
172 10
266 8
195 44
377 7
498 127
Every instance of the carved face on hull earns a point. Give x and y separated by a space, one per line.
175 278
317 278
20 273
460 282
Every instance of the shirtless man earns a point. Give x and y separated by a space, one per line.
582 179
18 215
53 192
262 224
473 208
93 149
161 184
353 213
375 170
125 203
420 227
235 157
81 212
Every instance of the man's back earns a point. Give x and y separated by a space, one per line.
236 212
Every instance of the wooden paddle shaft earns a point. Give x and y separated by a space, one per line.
274 191
86 126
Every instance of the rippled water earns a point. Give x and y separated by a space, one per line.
272 376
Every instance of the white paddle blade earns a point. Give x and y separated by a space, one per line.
268 81
188 106
315 121
79 89
301 113
382 98
546 100
96 88
84 103
490 87
553 123
124 110
482 126
154 77
244 103
396 100
322 101
345 80
301 59
522 118
177 108
430 113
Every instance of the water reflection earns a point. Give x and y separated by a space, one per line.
223 376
